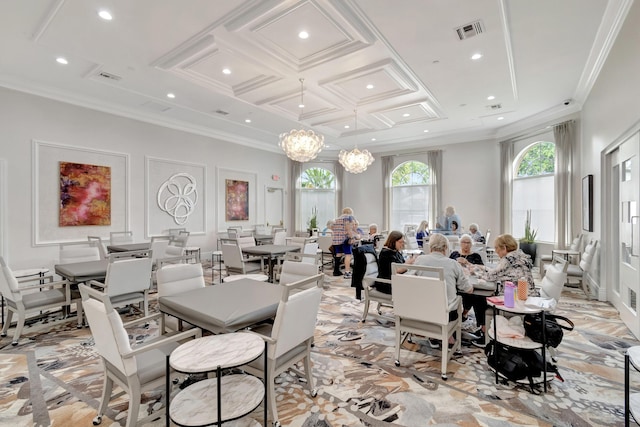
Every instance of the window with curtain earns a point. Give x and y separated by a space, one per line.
410 194
533 189
317 195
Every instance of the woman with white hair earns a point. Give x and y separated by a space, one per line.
454 276
476 235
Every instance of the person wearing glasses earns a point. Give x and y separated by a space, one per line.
467 259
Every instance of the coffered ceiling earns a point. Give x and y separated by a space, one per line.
404 66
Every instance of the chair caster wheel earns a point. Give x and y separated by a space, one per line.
79 326
276 424
397 363
97 420
314 392
444 377
14 343
175 381
4 334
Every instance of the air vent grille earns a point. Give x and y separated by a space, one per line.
222 112
470 30
494 107
109 76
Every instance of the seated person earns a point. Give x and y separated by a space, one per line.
328 228
450 217
343 235
390 253
422 232
454 228
467 258
513 264
454 276
373 237
476 235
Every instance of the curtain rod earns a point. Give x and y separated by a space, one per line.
412 153
536 132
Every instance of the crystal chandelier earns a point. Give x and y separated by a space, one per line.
301 145
355 161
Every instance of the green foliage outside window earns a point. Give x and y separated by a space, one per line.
410 173
317 178
539 160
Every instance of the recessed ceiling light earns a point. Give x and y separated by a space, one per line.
426 130
500 118
104 14
303 35
300 105
61 60
406 115
346 126
476 56
369 86
171 95
247 120
373 139
491 97
226 71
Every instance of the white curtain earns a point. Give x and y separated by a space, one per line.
339 172
434 161
564 135
506 181
387 168
295 170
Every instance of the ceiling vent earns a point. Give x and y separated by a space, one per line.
494 107
469 30
222 112
109 76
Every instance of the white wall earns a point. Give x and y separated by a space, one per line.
24 118
470 183
612 107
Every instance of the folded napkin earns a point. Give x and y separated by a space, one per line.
496 300
546 304
509 328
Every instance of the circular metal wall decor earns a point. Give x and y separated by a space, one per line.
178 197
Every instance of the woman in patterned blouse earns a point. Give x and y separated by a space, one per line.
513 265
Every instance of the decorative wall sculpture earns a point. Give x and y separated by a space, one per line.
178 197
236 200
85 194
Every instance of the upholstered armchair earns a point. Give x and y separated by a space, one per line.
21 299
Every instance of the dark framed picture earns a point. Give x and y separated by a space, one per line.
587 203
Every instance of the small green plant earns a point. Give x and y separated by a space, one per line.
529 233
313 221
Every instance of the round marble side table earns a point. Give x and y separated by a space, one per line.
204 402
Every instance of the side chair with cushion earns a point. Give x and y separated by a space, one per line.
289 338
548 259
128 279
21 299
369 275
554 280
294 268
280 238
102 247
177 278
158 247
234 262
134 370
324 245
72 252
120 237
421 308
579 271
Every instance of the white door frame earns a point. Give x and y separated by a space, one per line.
610 213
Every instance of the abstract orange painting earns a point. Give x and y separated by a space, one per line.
237 200
85 194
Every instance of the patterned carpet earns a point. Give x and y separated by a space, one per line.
54 377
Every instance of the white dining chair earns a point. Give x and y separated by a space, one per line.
290 336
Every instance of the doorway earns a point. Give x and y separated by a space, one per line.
624 228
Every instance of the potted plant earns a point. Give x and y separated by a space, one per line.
313 221
528 242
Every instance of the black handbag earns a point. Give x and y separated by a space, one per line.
552 329
507 361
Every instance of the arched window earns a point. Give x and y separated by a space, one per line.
317 195
410 194
534 189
